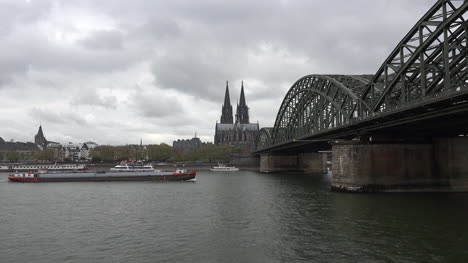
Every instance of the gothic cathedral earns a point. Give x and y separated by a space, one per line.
239 133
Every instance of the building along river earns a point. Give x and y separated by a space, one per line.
230 217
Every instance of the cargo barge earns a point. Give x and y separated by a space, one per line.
99 176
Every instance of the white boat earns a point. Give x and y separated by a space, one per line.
50 167
223 168
127 167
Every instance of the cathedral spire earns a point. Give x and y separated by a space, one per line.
40 139
242 113
242 96
39 132
227 99
226 115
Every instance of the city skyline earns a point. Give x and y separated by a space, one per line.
114 72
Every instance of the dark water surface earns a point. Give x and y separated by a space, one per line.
237 217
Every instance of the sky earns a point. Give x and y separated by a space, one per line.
115 71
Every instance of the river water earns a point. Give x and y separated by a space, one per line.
237 217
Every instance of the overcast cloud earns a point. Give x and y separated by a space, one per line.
115 71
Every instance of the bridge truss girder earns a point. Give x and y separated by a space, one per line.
263 138
318 102
430 60
429 63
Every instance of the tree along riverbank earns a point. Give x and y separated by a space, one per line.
162 153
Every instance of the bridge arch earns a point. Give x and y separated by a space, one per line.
429 65
317 102
263 139
429 61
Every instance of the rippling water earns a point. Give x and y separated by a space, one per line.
237 217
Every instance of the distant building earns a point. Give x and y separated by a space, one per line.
42 142
77 152
91 145
84 152
53 144
16 151
72 151
189 144
20 151
240 133
59 151
39 138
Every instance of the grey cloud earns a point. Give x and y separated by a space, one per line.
89 97
347 39
155 105
157 28
17 56
193 47
51 116
13 12
104 40
318 30
62 59
199 74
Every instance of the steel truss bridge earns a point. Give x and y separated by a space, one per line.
420 89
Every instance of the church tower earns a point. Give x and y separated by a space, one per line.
39 139
226 116
242 113
242 133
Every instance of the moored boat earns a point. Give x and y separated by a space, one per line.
36 167
96 176
132 167
223 168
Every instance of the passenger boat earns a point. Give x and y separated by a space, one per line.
223 168
96 176
36 167
132 167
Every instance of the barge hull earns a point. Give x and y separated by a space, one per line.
171 177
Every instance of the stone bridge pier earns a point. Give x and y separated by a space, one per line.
441 165
302 162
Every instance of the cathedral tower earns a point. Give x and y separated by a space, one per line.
241 133
242 113
39 139
226 116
